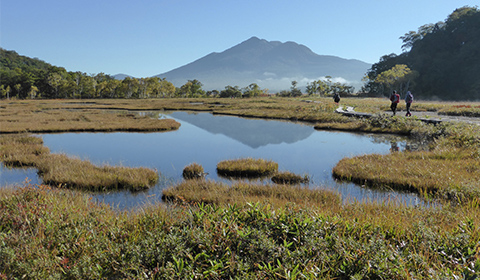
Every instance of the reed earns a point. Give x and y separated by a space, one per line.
246 167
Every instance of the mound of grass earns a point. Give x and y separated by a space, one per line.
61 170
246 167
453 174
207 191
21 150
287 177
193 171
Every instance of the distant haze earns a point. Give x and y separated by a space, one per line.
270 64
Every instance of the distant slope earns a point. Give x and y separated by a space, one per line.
270 64
121 76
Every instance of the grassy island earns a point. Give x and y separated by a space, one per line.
246 167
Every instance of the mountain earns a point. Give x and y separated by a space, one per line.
270 64
250 132
121 76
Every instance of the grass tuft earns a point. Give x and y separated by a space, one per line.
246 167
193 171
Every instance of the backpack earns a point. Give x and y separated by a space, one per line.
409 98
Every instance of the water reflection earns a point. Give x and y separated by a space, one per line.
208 139
251 132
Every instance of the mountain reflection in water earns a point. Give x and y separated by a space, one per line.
208 139
251 132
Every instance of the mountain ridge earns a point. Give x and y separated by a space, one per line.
270 64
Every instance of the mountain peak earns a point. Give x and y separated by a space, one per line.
270 64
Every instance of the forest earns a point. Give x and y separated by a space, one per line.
441 61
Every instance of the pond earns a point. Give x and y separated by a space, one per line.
208 139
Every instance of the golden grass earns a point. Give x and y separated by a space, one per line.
193 171
21 150
97 115
452 174
246 167
211 192
35 117
60 170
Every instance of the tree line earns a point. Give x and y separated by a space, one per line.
439 61
23 77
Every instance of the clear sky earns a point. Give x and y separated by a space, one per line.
144 38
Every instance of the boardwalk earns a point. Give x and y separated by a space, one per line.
428 117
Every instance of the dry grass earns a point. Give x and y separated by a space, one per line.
60 170
211 192
193 171
246 167
21 150
37 117
453 174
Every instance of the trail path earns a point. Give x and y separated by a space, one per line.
430 117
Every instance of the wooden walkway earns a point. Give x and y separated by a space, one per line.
350 112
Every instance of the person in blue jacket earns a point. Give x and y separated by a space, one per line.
408 102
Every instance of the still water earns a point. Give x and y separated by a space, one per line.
208 139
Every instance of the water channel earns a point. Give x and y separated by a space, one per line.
208 139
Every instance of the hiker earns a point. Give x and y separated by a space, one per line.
408 102
395 98
336 97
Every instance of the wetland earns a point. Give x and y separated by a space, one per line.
218 228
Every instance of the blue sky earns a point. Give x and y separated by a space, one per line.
144 38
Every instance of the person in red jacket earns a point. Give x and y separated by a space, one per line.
395 98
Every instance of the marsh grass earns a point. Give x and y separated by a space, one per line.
32 117
465 110
63 171
21 150
211 192
50 233
246 167
453 174
193 171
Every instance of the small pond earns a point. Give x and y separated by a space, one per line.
208 139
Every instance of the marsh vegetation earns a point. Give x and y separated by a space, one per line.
250 230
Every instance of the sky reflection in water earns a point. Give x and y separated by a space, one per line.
208 139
